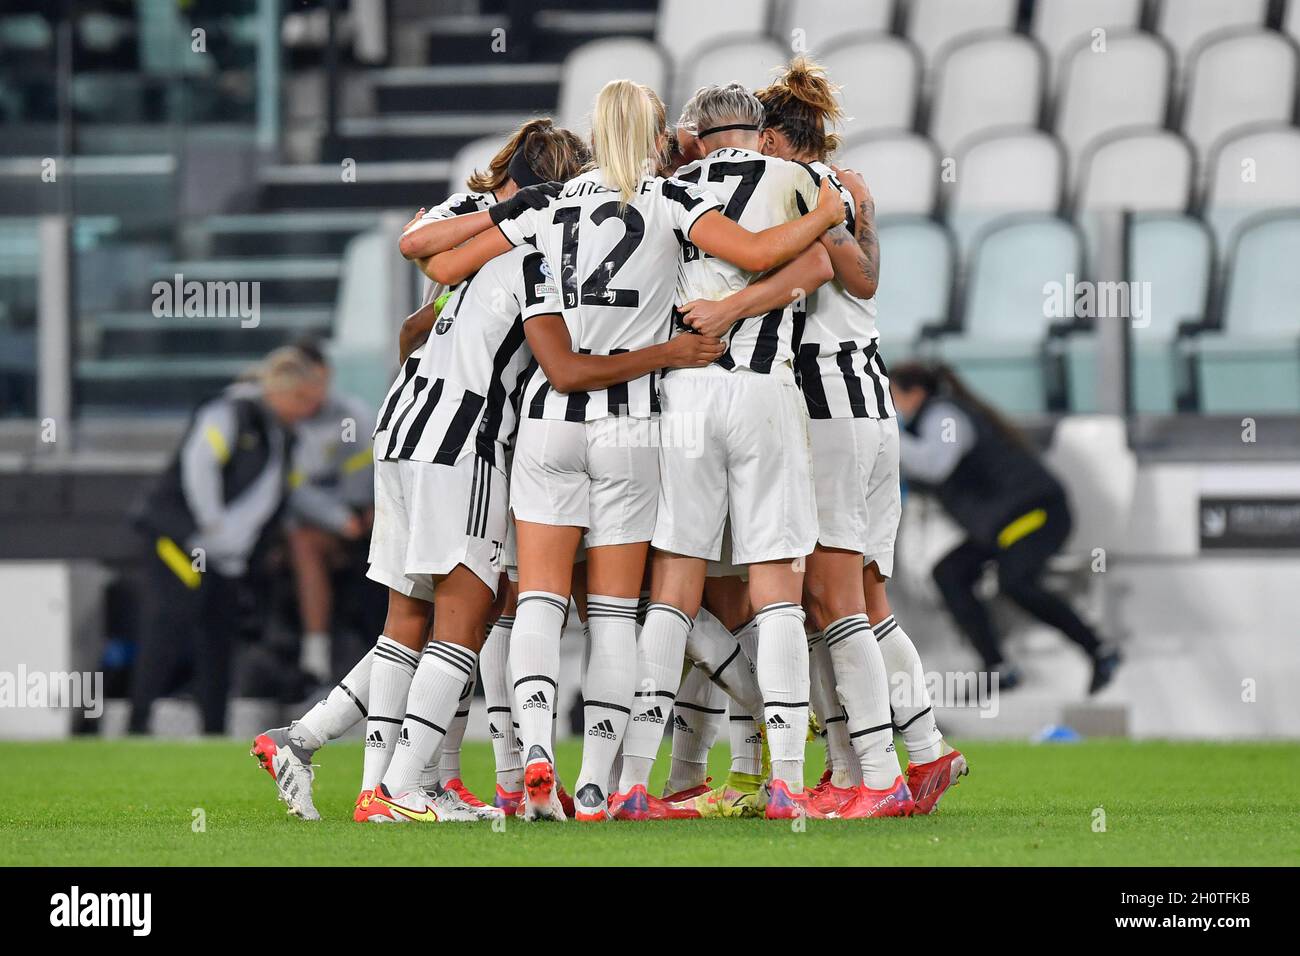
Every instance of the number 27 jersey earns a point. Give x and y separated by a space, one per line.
617 277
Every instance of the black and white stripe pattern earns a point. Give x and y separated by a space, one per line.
843 629
617 608
686 621
480 499
400 656
884 628
452 655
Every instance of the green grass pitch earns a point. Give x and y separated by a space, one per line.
89 802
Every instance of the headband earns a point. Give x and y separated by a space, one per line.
722 129
520 171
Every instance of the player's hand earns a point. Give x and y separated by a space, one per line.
853 182
713 319
414 222
352 528
694 351
830 204
530 197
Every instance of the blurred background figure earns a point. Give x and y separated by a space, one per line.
1013 510
206 521
330 513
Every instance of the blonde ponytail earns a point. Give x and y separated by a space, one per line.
626 125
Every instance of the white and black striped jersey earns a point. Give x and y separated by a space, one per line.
465 390
759 192
458 204
617 276
838 345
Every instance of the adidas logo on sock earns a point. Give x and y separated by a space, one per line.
654 715
403 739
602 729
375 739
754 739
683 726
537 700
494 733
777 722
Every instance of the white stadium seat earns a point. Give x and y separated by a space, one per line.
1143 170
1255 170
1013 171
1126 86
750 61
985 81
473 156
901 169
593 64
1185 23
1060 24
1291 22
916 285
687 28
879 78
1252 363
1237 79
821 22
1005 319
933 23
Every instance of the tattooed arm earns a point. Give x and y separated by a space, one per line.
856 257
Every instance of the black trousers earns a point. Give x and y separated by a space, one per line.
188 632
1020 568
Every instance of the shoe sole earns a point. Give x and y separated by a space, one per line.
539 793
957 769
265 760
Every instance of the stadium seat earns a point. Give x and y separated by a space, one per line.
1254 170
1005 320
933 23
593 64
1143 170
916 284
1239 78
687 27
1099 93
902 170
1006 171
470 157
1091 456
1251 364
879 78
822 22
985 81
746 60
1059 24
1173 256
1291 21
1184 23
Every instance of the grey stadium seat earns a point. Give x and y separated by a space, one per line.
985 81
1252 365
1059 24
1173 256
880 80
472 156
1126 86
1006 171
1143 170
1254 170
915 281
901 169
1004 322
1236 79
933 23
746 60
687 27
821 22
1185 23
593 64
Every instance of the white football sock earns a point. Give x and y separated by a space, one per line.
314 654
913 713
390 679
338 713
660 653
607 686
746 742
435 694
698 713
449 764
535 669
494 671
783 677
863 688
841 759
715 650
